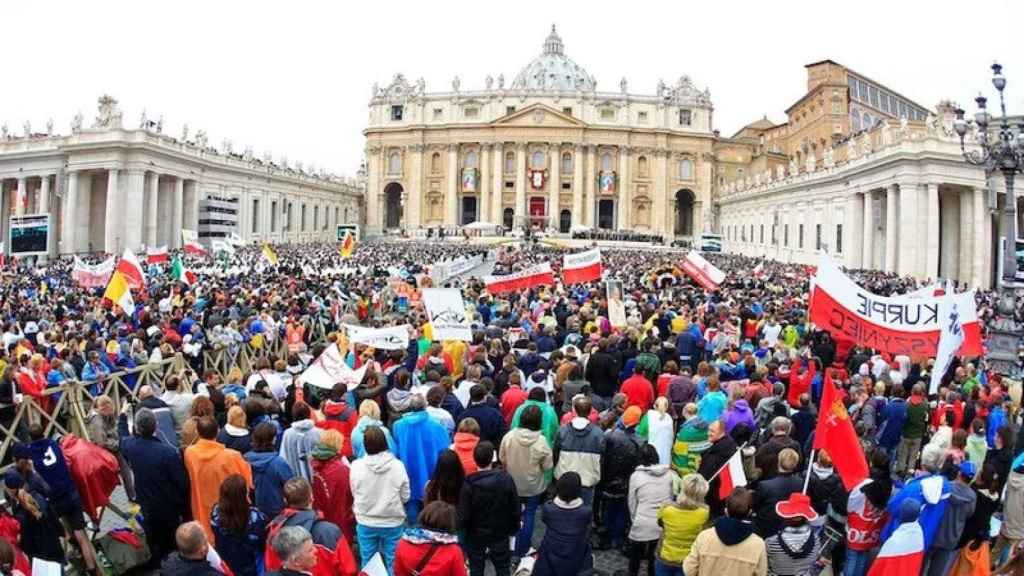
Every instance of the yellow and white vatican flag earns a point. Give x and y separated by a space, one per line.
119 292
269 255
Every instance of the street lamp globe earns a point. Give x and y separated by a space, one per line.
998 80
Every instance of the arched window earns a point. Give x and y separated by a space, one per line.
510 162
435 163
686 169
537 160
641 166
395 163
606 162
566 163
470 160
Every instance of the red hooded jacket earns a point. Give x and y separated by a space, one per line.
338 416
332 494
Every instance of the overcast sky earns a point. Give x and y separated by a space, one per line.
295 77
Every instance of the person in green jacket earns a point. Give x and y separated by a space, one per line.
691 442
549 419
913 430
648 361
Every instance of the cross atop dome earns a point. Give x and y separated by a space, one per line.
553 43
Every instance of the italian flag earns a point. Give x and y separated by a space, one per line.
731 475
182 274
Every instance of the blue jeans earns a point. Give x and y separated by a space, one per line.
525 537
662 569
857 562
372 540
615 514
587 494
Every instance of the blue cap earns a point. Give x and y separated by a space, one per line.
13 480
910 509
22 452
968 469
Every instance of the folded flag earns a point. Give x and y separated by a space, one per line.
269 255
132 270
119 293
157 255
582 267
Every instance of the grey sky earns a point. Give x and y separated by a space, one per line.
295 77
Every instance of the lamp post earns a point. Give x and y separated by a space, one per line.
1005 155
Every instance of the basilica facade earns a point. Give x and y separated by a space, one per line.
547 150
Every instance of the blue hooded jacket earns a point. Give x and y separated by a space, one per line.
419 440
269 473
933 490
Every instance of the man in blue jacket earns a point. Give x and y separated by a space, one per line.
894 416
419 440
161 481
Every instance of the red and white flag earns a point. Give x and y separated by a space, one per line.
157 255
539 275
132 270
195 249
895 324
703 272
759 270
953 308
902 553
582 267
731 475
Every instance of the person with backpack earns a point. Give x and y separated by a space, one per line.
432 548
332 550
239 530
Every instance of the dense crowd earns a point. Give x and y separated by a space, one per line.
551 434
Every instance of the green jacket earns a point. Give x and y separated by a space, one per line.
917 418
691 442
650 364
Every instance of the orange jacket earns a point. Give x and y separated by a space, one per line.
209 463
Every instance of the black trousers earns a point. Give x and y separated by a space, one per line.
499 553
641 551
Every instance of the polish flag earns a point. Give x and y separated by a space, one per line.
157 255
539 275
195 249
902 553
703 272
132 270
731 475
759 270
582 267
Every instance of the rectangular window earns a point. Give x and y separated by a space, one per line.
273 216
510 185
510 110
817 236
302 218
567 110
800 237
396 113
607 113
762 234
471 112
255 215
566 186
785 235
775 237
839 238
685 117
438 113
641 117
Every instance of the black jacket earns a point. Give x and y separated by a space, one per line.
767 495
767 456
711 462
161 481
603 373
619 459
176 565
492 424
826 493
489 507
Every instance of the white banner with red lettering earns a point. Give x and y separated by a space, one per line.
899 324
539 275
330 369
703 272
582 267
92 275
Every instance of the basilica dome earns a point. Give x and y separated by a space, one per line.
553 70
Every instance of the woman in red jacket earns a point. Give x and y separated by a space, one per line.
332 494
432 549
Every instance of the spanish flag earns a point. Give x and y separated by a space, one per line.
269 255
348 245
119 293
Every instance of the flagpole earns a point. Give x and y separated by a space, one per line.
810 464
715 475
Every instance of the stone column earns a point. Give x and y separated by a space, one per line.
520 217
44 194
22 197
81 214
374 222
931 252
577 185
152 203
243 214
853 219
498 186
968 249
134 194
868 253
483 203
70 211
660 214
414 196
190 219
981 248
554 184
451 199
624 191
908 261
588 182
113 227
177 212
890 227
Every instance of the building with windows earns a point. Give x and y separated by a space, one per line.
547 150
108 187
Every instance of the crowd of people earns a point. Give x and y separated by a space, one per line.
550 435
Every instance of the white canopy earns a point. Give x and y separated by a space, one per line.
480 226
